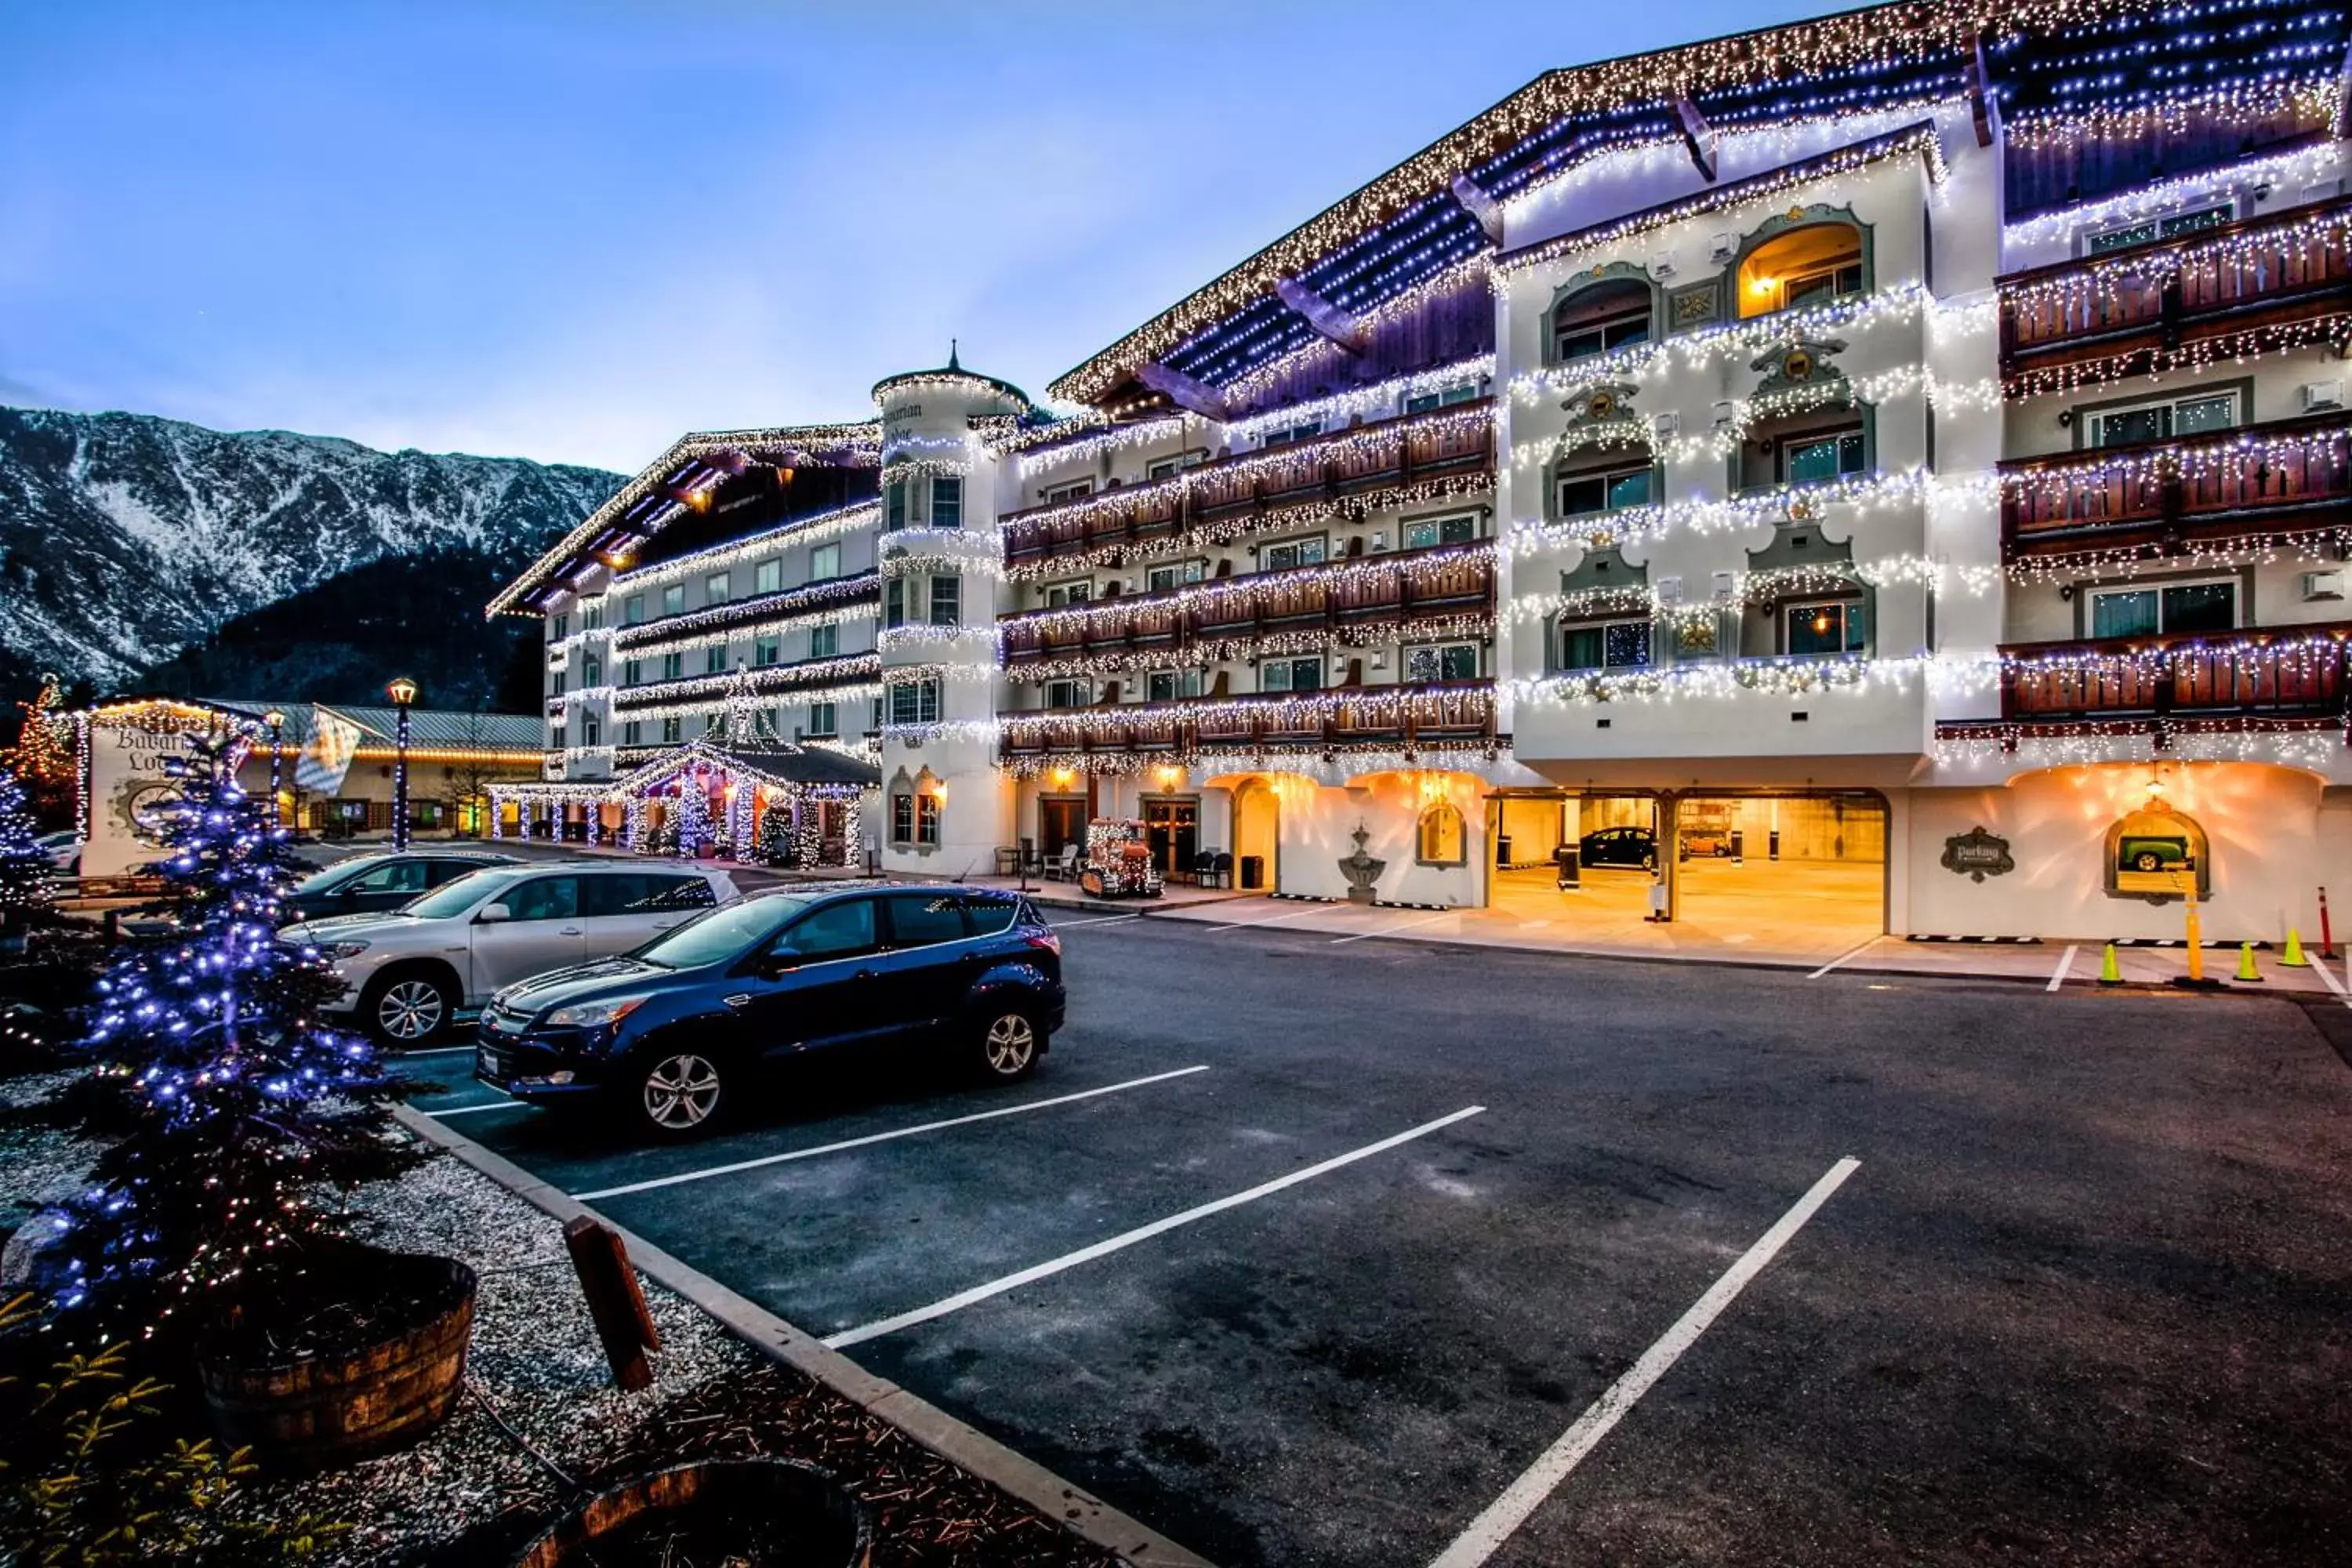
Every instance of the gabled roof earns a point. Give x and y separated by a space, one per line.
1409 226
650 502
429 728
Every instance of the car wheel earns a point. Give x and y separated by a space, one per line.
679 1093
2147 862
401 1012
1008 1044
1650 861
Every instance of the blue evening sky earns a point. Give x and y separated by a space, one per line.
574 231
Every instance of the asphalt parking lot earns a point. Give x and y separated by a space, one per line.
1307 1251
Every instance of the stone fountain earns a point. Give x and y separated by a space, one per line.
1360 869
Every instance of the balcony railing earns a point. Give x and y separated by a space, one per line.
1391 454
2245 284
1453 714
2260 672
1413 585
2286 477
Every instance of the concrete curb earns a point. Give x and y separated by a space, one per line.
1084 1515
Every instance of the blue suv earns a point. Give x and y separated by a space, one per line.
674 1031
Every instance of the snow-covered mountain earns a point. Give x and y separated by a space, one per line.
123 537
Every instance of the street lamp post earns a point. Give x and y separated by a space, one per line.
403 691
276 720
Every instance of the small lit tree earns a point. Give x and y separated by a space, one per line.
778 844
41 759
23 864
237 1104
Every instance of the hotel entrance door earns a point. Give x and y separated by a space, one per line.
1172 828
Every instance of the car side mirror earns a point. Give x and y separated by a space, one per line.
777 963
493 913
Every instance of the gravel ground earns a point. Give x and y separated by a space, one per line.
535 1362
38 1165
541 1424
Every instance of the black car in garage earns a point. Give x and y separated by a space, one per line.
1635 847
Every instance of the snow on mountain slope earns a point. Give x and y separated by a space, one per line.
125 537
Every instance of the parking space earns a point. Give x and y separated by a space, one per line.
1312 1249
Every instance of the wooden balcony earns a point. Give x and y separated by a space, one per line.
2260 672
1418 585
1365 718
1388 455
2286 477
2261 282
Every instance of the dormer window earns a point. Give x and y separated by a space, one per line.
1826 455
1812 265
1427 401
1600 320
2172 226
1602 490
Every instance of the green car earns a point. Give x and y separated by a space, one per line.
2142 854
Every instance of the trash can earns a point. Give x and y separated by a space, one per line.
1253 871
1571 866
1502 851
1738 848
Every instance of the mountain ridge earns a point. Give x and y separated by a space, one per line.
126 538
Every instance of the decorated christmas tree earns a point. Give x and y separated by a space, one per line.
779 845
694 829
236 1105
24 864
41 759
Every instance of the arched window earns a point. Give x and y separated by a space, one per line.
1809 265
1443 840
1606 316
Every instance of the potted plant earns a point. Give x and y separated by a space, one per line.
209 1227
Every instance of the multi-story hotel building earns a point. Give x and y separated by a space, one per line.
1908 447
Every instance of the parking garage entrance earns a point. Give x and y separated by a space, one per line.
1792 873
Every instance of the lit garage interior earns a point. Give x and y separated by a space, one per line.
1782 873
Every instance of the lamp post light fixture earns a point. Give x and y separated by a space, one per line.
276 720
403 691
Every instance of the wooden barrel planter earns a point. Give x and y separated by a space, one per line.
764 1513
306 1402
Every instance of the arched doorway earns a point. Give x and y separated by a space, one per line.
1257 835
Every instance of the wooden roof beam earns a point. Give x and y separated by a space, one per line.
1184 391
1479 205
1322 315
1984 106
1698 136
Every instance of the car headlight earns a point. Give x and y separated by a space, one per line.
344 949
594 1015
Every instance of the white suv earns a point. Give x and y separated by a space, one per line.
408 973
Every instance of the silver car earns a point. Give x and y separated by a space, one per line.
408 975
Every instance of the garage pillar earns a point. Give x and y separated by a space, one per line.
1667 831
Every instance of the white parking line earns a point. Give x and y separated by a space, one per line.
2065 961
961 1299
2329 975
1391 930
883 1137
1097 920
1503 1517
1841 958
471 1109
1243 925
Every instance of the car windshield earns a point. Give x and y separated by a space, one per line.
720 933
320 882
453 898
